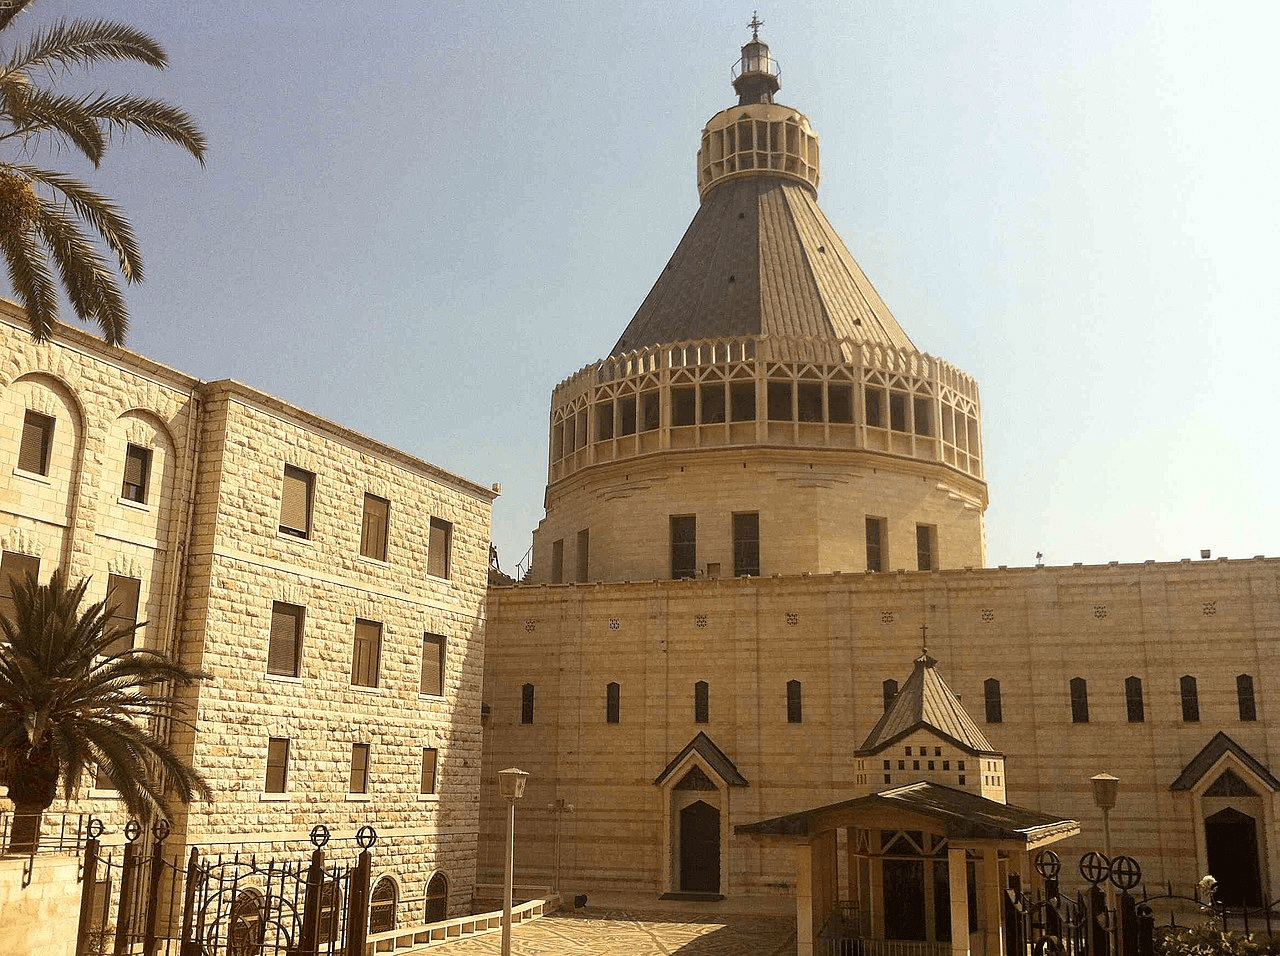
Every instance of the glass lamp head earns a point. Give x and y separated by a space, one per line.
511 783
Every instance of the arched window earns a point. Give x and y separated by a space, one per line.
612 702
991 696
1190 699
1244 696
794 714
382 906
1133 700
890 690
244 934
437 899
526 704
701 703
1079 700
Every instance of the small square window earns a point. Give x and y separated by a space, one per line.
37 440
439 545
365 652
295 502
137 470
277 765
431 683
429 758
902 765
359 768
373 529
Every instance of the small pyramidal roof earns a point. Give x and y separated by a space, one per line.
925 701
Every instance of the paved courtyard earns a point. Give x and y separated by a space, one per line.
605 931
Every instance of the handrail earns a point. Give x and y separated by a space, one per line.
409 939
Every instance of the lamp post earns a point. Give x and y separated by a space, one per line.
559 807
511 785
1105 788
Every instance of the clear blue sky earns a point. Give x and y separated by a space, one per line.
416 218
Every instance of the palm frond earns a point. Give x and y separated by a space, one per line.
10 9
32 283
153 117
90 285
99 212
82 43
34 110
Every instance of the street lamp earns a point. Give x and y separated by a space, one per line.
559 807
511 785
1105 788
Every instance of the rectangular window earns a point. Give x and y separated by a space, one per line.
428 783
277 765
359 768
526 704
923 409
888 691
875 406
14 569
438 547
650 411
295 502
584 554
1079 700
746 544
742 402
603 412
927 547
794 713
373 530
840 403
1190 699
1245 698
37 441
876 544
627 415
898 411
431 682
684 546
557 561
684 401
366 649
809 401
102 780
1133 703
284 651
778 398
137 469
122 607
701 703
612 702
712 397
991 696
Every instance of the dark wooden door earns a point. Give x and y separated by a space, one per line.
1231 839
700 848
904 899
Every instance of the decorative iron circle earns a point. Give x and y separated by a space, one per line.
1125 873
95 828
1095 867
319 836
1145 910
132 830
366 837
1048 865
161 830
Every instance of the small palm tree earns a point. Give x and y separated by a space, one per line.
42 212
67 704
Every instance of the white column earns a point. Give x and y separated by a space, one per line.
958 878
804 900
992 897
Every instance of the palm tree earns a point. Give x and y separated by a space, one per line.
67 705
43 212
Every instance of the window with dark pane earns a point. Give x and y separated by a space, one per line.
277 765
898 411
742 402
359 769
809 401
778 396
1245 699
37 443
526 704
840 404
295 502
122 612
991 698
373 530
713 404
874 401
431 682
428 781
1190 699
746 544
684 405
889 690
439 546
794 703
137 471
366 649
701 702
284 648
612 702
927 547
684 546
1079 700
584 555
1134 705
876 543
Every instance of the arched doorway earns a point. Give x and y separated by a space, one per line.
437 899
700 848
382 906
1231 843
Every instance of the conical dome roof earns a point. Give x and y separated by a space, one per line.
925 700
760 258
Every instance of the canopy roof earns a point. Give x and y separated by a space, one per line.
956 814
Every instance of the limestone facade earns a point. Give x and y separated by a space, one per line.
333 588
1034 632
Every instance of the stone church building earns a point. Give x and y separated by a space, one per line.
760 506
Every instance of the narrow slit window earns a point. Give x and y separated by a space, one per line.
427 784
557 561
1244 697
701 703
431 681
889 690
1079 700
373 528
991 698
439 548
584 555
359 768
277 778
366 650
876 543
612 702
1135 707
684 546
122 606
1190 699
795 714
526 704
746 544
927 547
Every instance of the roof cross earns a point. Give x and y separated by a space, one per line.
924 639
755 24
